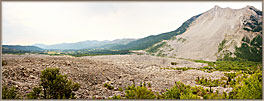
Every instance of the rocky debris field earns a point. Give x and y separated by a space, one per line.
91 72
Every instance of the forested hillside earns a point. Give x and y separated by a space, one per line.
19 49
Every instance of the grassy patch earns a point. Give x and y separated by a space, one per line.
200 61
247 66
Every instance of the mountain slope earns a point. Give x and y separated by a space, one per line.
87 44
153 39
214 34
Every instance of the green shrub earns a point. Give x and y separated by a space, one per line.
116 97
208 82
138 92
189 96
35 94
174 92
54 85
174 63
212 96
4 62
120 89
244 87
9 93
251 87
149 84
108 86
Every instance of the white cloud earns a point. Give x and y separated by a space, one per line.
27 23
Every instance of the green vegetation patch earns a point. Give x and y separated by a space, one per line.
155 48
246 66
249 88
221 45
139 92
10 93
208 82
4 62
181 40
108 86
250 50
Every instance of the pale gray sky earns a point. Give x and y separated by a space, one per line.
27 23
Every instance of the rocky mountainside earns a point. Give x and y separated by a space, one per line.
215 34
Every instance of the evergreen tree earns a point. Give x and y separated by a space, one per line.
54 85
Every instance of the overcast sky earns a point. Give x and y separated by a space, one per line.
27 23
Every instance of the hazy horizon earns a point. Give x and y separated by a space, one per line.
28 23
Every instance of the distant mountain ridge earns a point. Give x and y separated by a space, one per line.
89 44
20 49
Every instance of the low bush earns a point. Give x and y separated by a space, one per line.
174 63
108 86
139 92
116 97
11 93
4 62
120 89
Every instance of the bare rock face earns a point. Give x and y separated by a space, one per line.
202 38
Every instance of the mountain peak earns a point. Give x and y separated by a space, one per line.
248 7
216 7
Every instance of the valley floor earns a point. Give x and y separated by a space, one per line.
92 72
